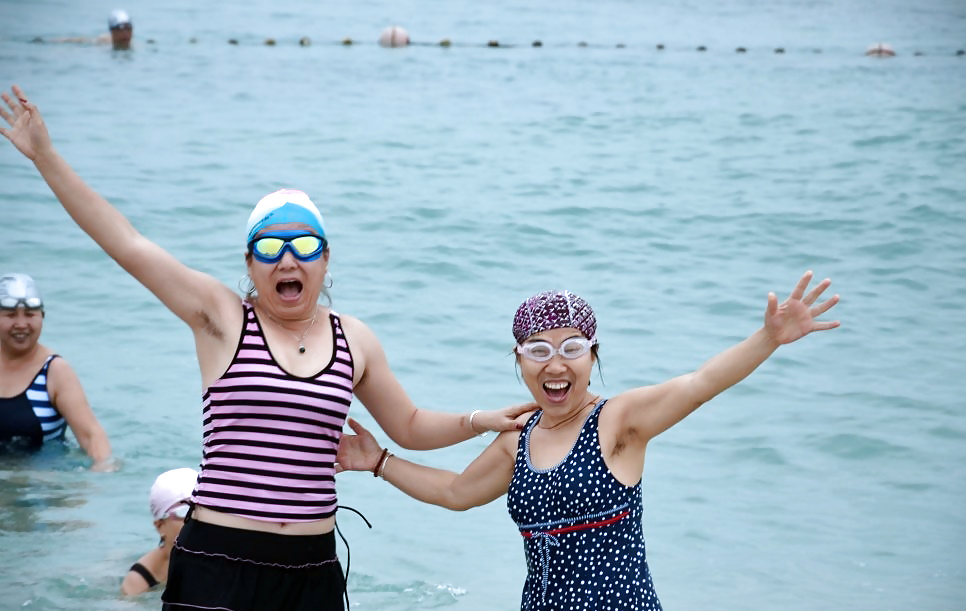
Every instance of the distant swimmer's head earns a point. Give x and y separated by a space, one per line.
119 20
20 290
171 492
122 29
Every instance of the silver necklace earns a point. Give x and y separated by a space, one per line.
301 337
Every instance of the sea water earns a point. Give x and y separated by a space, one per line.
672 188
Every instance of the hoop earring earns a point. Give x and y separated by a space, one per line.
328 277
246 285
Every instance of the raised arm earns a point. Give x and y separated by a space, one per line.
410 427
654 409
486 479
189 294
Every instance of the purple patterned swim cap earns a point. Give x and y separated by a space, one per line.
554 310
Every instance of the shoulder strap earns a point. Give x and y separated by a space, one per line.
46 366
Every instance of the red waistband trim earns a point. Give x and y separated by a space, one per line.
566 529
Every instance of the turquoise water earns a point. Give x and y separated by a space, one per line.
671 189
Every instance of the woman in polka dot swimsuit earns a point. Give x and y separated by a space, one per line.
572 476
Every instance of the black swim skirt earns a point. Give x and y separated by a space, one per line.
216 567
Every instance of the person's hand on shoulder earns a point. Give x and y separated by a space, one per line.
507 419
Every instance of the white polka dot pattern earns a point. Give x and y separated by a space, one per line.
582 530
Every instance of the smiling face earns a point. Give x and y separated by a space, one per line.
559 383
20 329
288 288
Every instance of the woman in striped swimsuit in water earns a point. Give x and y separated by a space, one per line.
278 371
572 476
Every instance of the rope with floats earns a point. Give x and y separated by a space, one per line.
396 37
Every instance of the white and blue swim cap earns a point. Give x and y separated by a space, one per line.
20 290
118 18
285 206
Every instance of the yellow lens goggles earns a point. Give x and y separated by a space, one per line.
270 246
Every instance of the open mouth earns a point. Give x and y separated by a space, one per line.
556 391
289 289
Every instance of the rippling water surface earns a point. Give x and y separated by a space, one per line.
672 189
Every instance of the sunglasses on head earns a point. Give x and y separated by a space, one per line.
12 303
270 247
542 351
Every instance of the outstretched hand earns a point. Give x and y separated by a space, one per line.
795 317
359 452
27 131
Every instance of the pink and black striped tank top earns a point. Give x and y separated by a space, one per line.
270 438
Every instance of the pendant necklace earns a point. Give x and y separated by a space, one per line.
301 337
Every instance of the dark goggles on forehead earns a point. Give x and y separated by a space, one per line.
30 303
122 26
270 246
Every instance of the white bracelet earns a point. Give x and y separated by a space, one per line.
380 470
473 428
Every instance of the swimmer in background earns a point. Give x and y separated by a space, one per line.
120 32
169 506
40 395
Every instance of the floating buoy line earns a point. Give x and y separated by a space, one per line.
446 43
396 37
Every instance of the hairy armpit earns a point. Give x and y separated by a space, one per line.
209 326
624 439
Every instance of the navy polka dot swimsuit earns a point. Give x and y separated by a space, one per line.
582 530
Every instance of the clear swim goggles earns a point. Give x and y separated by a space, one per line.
270 246
30 303
542 351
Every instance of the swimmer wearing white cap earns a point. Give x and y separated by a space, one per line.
40 395
120 31
169 501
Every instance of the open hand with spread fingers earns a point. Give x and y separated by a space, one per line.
796 317
27 131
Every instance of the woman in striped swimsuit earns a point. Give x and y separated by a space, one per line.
572 476
278 371
40 395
